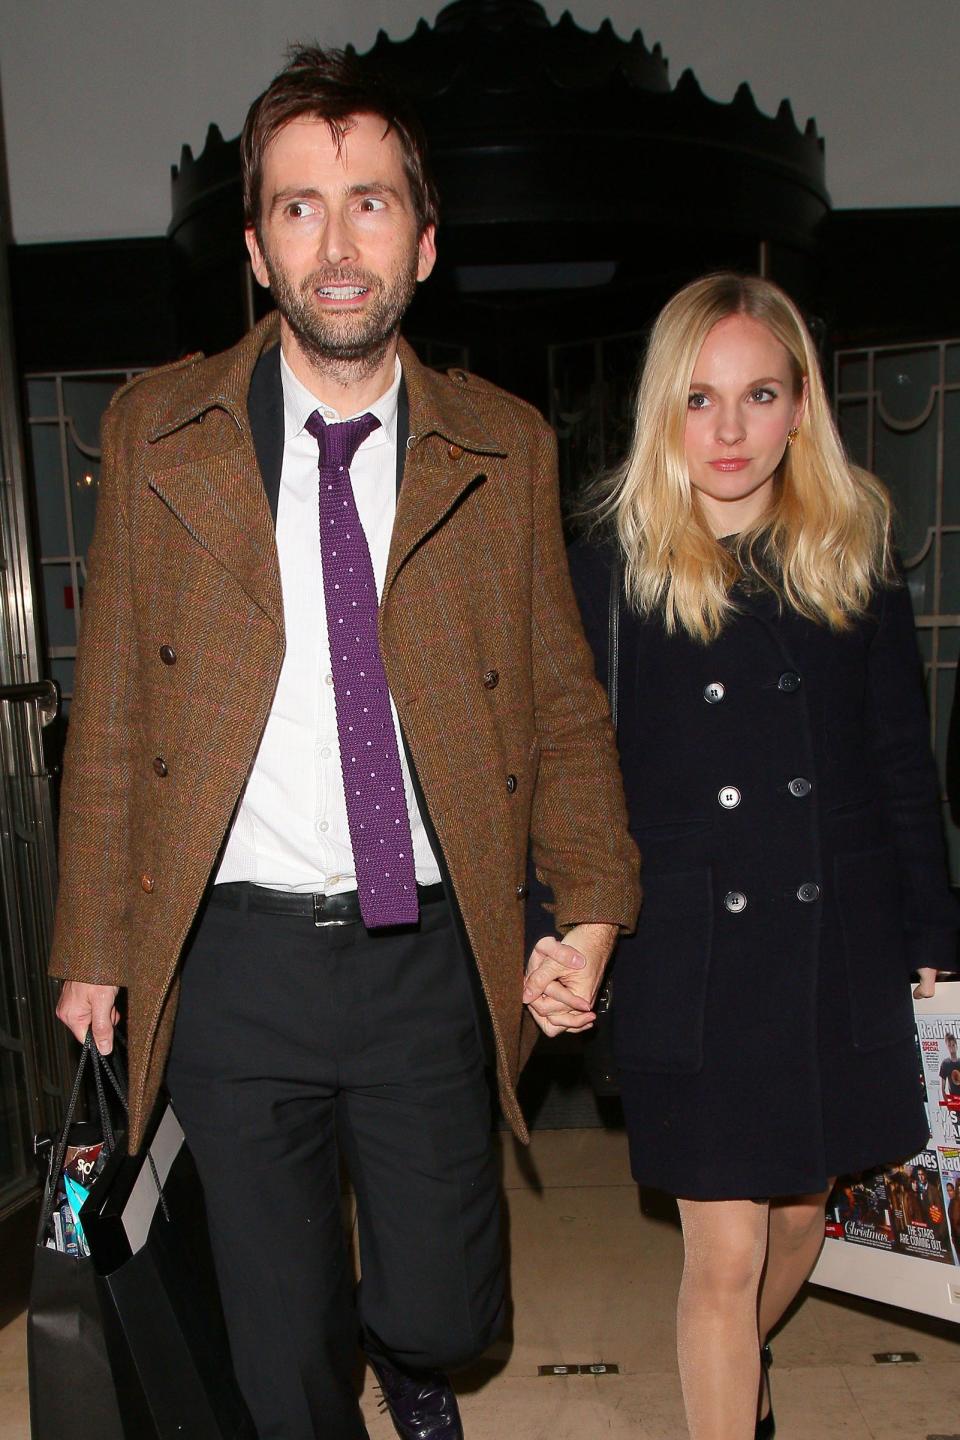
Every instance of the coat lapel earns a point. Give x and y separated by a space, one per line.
439 422
223 427
213 482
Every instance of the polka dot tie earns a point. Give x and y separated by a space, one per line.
369 755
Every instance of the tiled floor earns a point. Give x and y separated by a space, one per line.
594 1279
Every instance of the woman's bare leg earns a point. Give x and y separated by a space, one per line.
725 1245
795 1241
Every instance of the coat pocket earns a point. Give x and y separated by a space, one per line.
874 947
660 989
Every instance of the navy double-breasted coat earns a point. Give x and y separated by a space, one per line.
782 792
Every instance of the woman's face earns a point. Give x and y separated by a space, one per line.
740 410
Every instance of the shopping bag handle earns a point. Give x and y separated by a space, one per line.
101 1067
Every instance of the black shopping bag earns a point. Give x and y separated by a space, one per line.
72 1390
146 1227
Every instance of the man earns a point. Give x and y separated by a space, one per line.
953 1214
316 724
950 1070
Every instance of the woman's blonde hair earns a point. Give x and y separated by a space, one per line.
825 542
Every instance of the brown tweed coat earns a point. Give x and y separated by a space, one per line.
181 649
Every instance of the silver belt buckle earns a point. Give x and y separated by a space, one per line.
318 916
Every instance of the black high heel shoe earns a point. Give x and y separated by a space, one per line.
767 1427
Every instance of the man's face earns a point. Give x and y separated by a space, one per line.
338 243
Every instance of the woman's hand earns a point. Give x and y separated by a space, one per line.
928 983
563 977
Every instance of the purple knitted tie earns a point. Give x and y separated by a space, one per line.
369 757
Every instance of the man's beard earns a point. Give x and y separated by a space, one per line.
352 342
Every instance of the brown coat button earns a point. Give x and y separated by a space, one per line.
511 783
491 679
455 452
168 655
146 884
460 376
160 767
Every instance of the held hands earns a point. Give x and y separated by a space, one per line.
563 977
82 1007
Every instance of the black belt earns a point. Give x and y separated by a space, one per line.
342 909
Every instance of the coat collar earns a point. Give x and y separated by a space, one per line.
439 408
220 382
223 381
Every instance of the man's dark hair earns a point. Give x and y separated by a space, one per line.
948 1036
332 85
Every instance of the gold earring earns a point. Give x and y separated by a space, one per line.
792 434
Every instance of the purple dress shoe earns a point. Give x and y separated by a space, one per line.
422 1407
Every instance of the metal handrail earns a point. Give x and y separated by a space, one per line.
46 693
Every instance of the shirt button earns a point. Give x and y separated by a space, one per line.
334 879
714 692
808 892
788 682
735 901
160 767
146 884
168 655
799 787
491 679
323 826
328 679
511 783
729 797
325 752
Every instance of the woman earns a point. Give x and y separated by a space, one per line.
775 753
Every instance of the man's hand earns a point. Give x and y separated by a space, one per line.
563 977
84 1006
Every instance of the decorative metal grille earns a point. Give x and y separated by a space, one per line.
898 408
591 387
63 427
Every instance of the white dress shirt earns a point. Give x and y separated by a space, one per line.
291 830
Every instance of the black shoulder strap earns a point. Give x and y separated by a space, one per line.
613 634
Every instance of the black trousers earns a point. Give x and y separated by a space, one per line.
294 1045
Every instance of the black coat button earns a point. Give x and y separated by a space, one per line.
799 787
168 655
522 891
808 892
714 692
788 682
511 783
491 679
735 901
160 767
